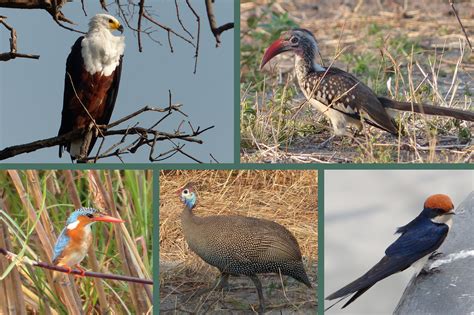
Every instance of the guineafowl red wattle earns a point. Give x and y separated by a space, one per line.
239 245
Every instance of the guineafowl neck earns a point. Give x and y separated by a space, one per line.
188 218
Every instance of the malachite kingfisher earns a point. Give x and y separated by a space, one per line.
76 238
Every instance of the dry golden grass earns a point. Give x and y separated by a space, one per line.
286 197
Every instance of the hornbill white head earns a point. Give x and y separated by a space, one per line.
299 40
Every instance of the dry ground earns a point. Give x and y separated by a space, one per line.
441 52
286 197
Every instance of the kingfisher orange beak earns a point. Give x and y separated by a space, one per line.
277 47
106 218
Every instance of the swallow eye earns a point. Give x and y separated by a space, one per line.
294 40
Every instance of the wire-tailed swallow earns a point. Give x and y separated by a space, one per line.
418 240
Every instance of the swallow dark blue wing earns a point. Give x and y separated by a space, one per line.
411 246
419 241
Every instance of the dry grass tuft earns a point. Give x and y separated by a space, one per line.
286 197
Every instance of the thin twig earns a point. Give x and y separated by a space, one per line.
179 19
217 31
13 45
460 23
139 26
83 7
168 29
25 260
198 21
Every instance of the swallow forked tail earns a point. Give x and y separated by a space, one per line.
384 268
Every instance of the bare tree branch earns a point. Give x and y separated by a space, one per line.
180 21
217 31
25 260
13 45
168 29
198 21
53 7
142 137
139 26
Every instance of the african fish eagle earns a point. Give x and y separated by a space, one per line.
92 80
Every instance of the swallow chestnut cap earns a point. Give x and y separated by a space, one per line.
439 201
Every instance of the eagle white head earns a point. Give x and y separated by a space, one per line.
101 50
105 21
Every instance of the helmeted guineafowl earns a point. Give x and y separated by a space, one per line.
239 245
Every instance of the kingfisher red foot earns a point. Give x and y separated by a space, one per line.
339 95
76 238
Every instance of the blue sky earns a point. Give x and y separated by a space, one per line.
31 91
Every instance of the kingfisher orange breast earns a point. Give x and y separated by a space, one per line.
80 239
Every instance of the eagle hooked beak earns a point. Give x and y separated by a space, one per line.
120 28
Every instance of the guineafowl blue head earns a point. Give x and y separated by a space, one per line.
188 196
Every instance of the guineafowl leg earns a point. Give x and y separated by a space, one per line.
222 283
257 283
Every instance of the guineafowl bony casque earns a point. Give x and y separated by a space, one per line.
239 245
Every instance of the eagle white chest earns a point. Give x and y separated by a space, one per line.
101 51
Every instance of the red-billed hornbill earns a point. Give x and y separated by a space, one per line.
339 95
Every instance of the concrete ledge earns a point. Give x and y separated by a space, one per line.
451 290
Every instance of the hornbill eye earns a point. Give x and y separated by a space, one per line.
294 40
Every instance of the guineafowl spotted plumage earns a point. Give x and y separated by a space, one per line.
239 245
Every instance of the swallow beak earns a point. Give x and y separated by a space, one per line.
279 46
106 218
120 29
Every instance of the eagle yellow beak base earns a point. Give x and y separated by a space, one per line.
115 25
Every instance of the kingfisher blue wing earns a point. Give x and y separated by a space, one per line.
60 245
411 246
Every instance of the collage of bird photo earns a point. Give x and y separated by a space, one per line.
237 157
